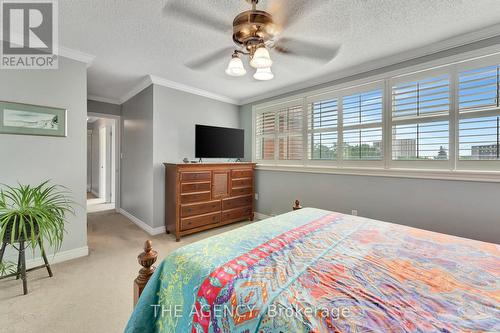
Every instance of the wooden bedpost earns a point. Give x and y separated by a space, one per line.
297 205
146 259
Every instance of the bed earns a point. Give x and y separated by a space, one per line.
318 271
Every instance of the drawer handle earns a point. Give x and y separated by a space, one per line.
189 210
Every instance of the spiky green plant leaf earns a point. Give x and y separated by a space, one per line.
35 213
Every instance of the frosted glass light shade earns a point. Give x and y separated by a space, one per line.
263 74
235 67
261 58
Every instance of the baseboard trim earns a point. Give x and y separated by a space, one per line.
94 193
141 224
59 257
260 216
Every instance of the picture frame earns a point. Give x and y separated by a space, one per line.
30 119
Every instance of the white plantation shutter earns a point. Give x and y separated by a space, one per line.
446 117
290 123
279 134
362 125
322 129
479 114
420 119
265 136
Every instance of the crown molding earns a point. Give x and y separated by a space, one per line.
191 90
377 64
104 99
143 84
76 55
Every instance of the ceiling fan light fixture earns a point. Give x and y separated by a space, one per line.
263 74
261 58
235 66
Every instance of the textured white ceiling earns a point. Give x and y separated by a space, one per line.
131 39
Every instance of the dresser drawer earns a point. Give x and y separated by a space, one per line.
237 213
199 221
200 208
241 191
195 187
195 176
195 197
242 182
237 202
246 173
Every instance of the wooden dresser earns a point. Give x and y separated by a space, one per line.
204 196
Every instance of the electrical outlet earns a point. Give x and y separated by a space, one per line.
354 212
256 196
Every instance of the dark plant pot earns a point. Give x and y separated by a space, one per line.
17 237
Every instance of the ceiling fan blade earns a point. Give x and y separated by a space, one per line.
206 61
307 49
286 15
179 11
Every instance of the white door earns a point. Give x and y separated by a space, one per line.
102 163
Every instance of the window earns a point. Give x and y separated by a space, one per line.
279 134
479 114
323 129
446 118
362 126
265 131
420 125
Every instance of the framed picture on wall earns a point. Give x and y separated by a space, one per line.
28 119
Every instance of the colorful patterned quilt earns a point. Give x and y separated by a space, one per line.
317 271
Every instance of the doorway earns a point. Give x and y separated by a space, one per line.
102 163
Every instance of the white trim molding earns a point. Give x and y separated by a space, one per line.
59 257
191 90
141 224
76 55
460 175
152 79
261 216
143 84
104 99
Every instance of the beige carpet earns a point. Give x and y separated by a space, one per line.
91 294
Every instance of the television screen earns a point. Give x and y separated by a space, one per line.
219 142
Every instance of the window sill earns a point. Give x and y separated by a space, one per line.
461 175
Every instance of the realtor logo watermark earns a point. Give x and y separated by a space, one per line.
29 34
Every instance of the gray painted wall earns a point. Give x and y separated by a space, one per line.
137 162
467 209
33 159
175 115
158 127
103 108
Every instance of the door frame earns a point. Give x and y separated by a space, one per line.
118 152
103 164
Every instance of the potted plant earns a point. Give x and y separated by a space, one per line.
34 214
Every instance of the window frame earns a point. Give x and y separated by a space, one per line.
475 165
422 164
453 168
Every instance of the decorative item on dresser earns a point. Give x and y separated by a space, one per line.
207 195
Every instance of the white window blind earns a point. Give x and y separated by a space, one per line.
265 135
446 117
290 124
279 134
362 126
420 119
323 129
479 114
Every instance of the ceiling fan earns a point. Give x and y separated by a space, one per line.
255 32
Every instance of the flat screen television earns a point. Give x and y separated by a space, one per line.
219 142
